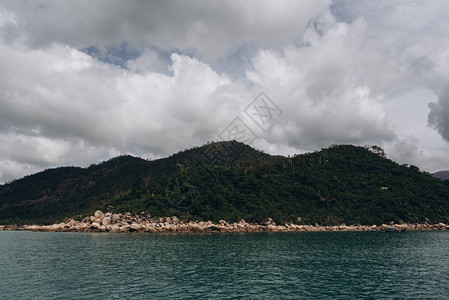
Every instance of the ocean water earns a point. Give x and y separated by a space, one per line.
305 265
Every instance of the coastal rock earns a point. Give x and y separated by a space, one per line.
79 227
99 215
112 222
124 228
106 221
56 227
116 217
114 228
269 221
242 223
135 227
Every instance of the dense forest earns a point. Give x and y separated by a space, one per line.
232 181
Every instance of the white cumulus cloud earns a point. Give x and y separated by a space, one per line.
83 81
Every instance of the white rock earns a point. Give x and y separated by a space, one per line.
106 221
114 228
99 214
135 226
116 217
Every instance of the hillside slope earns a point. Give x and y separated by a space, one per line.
230 180
443 175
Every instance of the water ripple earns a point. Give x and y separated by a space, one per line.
312 265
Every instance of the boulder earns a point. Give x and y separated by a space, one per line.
99 214
150 228
135 227
223 223
269 221
116 217
114 228
124 228
106 221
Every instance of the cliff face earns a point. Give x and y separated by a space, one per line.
231 181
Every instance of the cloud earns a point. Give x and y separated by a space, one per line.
415 35
439 111
322 89
61 106
439 115
84 81
209 28
147 61
62 91
409 150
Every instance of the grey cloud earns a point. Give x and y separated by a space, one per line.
439 114
210 28
59 106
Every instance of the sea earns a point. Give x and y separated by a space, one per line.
294 265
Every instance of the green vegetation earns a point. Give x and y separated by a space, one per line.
232 181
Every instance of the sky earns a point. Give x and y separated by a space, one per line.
85 81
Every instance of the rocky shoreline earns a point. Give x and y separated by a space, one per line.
111 222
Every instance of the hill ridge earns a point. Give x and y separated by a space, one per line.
232 181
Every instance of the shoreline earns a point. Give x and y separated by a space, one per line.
125 223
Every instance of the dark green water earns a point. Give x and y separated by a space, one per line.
315 265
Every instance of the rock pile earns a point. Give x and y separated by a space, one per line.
112 222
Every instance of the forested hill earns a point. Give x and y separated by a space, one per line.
232 181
